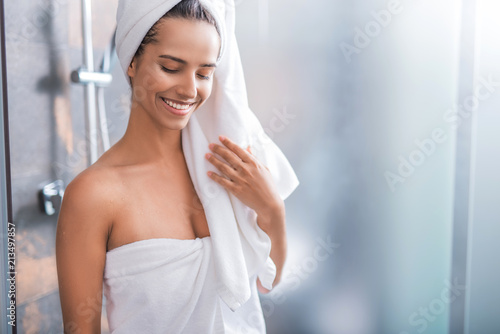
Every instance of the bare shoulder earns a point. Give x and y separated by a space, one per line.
83 228
89 203
92 190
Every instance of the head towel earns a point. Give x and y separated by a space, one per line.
240 248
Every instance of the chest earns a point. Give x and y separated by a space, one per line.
157 206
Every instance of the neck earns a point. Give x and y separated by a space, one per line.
148 142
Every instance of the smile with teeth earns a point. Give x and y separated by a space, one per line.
177 106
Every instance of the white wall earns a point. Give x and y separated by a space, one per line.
356 114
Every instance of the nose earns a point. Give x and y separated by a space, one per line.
187 88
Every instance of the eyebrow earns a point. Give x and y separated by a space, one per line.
185 62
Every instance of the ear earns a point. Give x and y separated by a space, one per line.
132 68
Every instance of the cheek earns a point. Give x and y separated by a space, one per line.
205 90
151 80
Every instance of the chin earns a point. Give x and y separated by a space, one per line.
176 125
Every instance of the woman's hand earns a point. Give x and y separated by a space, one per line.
244 176
252 183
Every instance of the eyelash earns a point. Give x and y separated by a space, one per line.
175 71
168 70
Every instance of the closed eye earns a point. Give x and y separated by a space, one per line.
168 70
204 77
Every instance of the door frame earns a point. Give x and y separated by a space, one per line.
7 239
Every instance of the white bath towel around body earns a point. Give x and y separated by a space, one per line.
169 286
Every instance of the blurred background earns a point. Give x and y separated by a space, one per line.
389 112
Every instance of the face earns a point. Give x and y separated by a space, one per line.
173 78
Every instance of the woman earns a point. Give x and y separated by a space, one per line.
138 201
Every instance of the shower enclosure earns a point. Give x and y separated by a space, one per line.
58 126
352 92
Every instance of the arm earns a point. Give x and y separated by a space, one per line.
273 223
81 238
252 183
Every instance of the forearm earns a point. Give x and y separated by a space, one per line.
273 223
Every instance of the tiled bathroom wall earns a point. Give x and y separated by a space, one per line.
47 128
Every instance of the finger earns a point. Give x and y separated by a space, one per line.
228 184
229 156
240 152
222 166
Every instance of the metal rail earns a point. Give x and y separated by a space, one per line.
95 82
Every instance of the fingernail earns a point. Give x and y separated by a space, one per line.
222 138
211 146
208 155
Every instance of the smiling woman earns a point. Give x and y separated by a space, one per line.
132 225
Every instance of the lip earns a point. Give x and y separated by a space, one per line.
177 112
